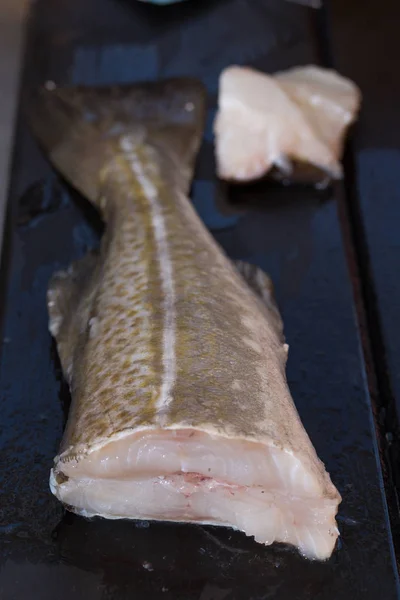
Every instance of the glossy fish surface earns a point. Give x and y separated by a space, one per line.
175 357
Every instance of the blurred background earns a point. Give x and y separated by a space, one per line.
12 21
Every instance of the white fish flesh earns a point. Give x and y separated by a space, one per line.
271 122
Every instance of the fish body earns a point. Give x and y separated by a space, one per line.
292 124
180 406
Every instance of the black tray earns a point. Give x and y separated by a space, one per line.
303 238
371 54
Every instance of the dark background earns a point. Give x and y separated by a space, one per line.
334 259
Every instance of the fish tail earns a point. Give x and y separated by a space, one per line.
80 128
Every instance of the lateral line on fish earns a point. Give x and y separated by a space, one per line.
166 273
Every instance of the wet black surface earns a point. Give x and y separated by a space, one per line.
293 234
374 193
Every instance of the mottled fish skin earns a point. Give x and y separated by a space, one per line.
159 330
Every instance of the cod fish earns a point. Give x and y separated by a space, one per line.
180 406
291 124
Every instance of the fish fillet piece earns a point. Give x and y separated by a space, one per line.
292 124
175 356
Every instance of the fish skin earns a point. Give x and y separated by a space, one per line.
152 330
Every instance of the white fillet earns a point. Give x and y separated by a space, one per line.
267 121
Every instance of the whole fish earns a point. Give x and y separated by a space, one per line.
180 406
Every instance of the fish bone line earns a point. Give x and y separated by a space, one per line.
166 275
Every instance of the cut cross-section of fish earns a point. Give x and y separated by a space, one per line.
189 475
175 357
